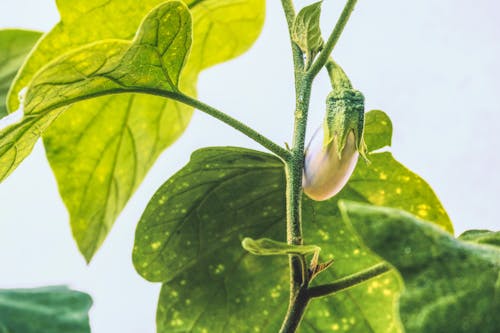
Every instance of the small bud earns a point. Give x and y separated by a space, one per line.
306 32
332 154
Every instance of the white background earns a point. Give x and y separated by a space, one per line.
433 66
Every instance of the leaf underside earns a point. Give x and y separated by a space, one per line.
93 145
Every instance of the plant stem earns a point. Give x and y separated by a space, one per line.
236 124
348 281
338 78
295 312
281 152
289 13
294 169
299 275
333 39
298 59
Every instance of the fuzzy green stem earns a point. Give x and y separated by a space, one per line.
294 183
333 39
299 277
295 312
281 152
294 169
289 10
349 281
236 124
298 59
338 78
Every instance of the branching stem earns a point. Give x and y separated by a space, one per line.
305 295
333 39
348 281
298 57
299 276
295 311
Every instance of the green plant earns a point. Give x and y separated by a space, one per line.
49 309
108 101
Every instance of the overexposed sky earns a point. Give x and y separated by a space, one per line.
433 66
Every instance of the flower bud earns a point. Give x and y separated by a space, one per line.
331 156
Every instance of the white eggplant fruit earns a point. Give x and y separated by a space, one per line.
332 154
325 172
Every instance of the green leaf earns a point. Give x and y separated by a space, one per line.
481 237
49 309
95 144
222 30
269 247
306 32
189 238
14 45
386 182
180 240
148 64
380 133
368 307
181 226
450 285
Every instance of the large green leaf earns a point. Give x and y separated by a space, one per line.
189 238
148 63
44 310
173 219
386 182
450 285
212 282
223 29
14 47
95 144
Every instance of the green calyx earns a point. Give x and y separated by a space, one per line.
345 112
